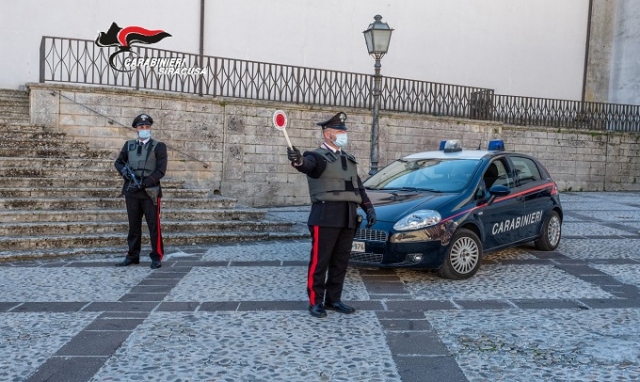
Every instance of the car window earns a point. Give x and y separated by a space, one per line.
437 174
526 170
497 174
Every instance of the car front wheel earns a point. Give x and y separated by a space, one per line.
551 231
463 256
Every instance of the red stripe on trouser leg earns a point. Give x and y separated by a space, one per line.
159 246
313 264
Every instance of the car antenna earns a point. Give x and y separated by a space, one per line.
480 144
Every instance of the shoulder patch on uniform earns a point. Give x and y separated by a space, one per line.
351 158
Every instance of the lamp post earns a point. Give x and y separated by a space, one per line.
377 37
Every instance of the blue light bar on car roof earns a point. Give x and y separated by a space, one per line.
452 146
442 143
496 145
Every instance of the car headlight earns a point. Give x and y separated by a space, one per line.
417 220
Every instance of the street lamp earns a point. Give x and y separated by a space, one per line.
377 37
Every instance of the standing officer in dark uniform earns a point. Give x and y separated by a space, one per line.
148 160
336 191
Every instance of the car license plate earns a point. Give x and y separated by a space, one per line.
357 246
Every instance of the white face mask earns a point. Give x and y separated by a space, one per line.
341 140
144 134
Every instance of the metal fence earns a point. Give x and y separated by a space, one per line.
82 61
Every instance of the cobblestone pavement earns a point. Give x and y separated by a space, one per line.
238 313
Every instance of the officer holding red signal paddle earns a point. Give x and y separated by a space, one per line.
336 191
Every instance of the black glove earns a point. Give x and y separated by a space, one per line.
147 182
294 155
134 188
125 174
371 217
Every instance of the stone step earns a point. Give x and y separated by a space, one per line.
9 118
27 127
112 182
51 229
77 192
29 136
11 93
11 142
10 244
27 151
14 107
56 163
120 215
86 173
98 203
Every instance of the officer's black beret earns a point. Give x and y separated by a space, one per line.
142 119
336 122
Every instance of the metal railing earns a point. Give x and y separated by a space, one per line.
82 61
564 113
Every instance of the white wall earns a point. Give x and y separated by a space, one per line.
625 72
519 47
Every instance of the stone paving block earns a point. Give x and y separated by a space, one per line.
429 368
272 305
143 297
115 324
403 315
219 306
483 304
123 315
546 304
170 275
120 307
68 369
275 263
406 325
90 343
421 306
4 306
159 281
385 287
151 288
416 343
178 307
595 303
50 307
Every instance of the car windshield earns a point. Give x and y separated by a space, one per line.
436 175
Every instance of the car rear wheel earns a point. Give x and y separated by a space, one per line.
551 232
464 256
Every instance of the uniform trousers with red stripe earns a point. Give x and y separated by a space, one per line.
136 209
330 252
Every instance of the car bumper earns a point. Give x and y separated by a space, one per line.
415 249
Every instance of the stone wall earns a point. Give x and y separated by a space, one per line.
245 156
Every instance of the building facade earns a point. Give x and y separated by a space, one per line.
532 48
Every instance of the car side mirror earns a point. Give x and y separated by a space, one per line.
497 191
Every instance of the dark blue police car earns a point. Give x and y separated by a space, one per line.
445 209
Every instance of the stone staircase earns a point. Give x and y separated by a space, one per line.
58 197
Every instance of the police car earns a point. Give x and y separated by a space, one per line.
445 209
